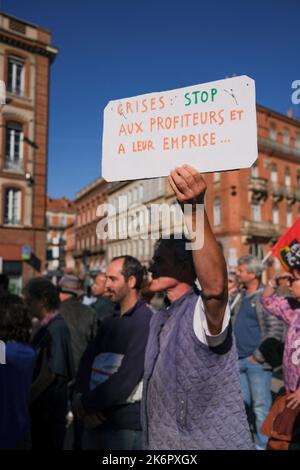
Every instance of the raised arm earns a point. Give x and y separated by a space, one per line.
276 304
189 188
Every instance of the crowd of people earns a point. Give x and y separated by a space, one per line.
121 374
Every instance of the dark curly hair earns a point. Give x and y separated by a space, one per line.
40 288
15 321
182 259
132 267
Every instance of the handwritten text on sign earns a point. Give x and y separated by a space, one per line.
210 126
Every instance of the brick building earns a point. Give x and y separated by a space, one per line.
26 54
60 217
89 252
70 246
251 208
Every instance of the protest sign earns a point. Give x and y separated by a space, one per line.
210 126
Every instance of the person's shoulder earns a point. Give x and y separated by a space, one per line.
58 325
75 307
143 310
87 309
20 352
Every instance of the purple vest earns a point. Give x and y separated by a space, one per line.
192 397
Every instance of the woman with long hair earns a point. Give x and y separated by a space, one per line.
16 370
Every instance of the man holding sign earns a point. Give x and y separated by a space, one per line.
192 397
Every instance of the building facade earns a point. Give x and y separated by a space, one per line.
90 252
251 208
130 224
26 54
60 218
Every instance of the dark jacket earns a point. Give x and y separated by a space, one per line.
120 338
82 324
49 407
103 307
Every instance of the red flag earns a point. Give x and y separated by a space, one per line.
287 249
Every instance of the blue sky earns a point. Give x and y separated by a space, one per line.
110 49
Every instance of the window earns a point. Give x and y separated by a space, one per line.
14 146
254 171
12 211
217 212
297 141
16 75
63 220
287 177
286 136
289 216
146 248
274 174
256 249
160 186
129 196
141 246
141 192
273 132
134 243
128 248
275 214
217 177
256 212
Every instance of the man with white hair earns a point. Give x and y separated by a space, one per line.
253 327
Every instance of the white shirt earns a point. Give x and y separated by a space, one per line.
201 327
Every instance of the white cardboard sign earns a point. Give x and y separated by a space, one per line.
211 126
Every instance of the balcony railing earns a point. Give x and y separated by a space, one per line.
15 90
290 194
262 230
12 165
11 221
278 191
275 147
258 188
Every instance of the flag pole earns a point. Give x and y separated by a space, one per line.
266 257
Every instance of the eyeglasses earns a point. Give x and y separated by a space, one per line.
291 280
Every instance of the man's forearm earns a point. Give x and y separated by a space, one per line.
211 272
189 187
